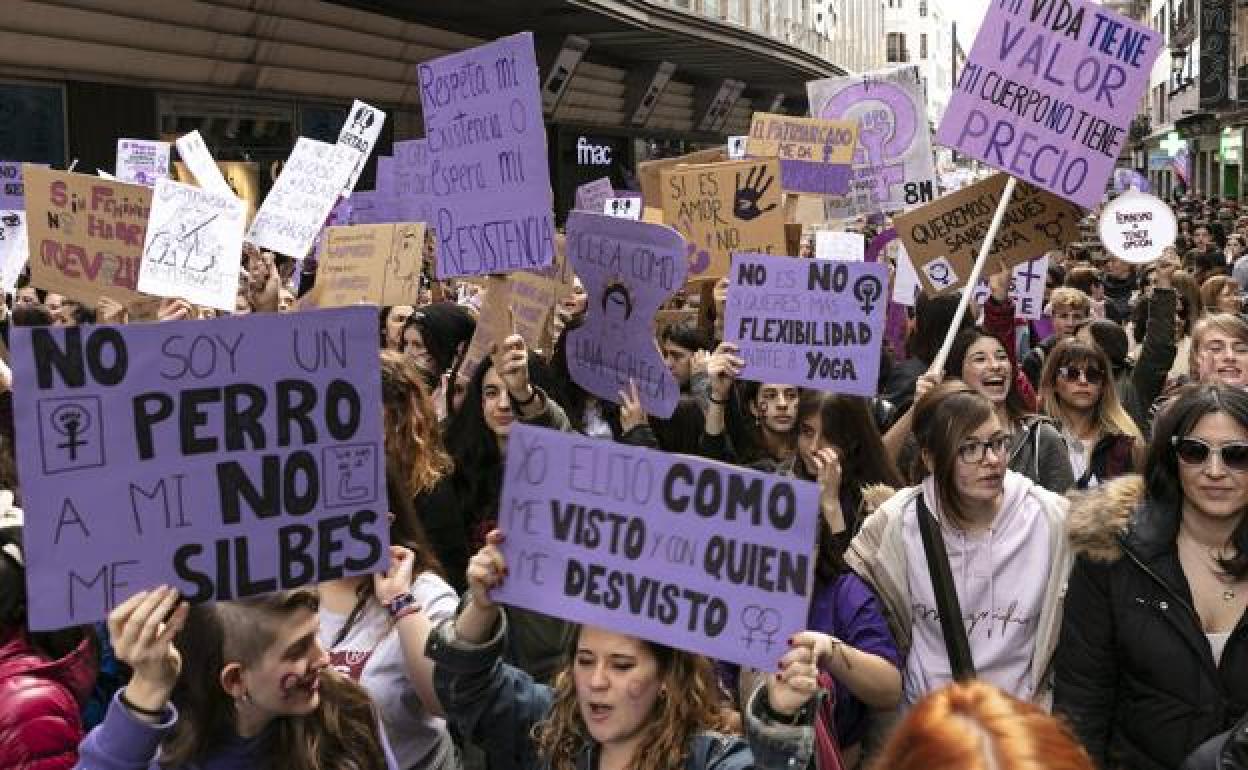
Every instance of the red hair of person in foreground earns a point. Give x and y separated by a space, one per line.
975 726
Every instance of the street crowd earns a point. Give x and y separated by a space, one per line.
1076 484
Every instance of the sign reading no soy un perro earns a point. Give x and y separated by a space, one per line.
226 458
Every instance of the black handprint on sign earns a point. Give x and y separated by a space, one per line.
745 205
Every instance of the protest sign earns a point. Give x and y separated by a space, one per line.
140 161
625 208
1137 227
591 195
721 208
944 237
412 185
194 153
1048 93
815 155
386 196
648 172
364 210
13 248
272 476
832 244
487 145
295 210
1026 288
906 283
359 133
736 147
11 195
86 234
375 264
701 556
811 323
629 269
892 162
193 245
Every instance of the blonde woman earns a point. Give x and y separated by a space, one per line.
1077 390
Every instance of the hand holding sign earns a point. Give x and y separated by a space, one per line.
632 413
511 361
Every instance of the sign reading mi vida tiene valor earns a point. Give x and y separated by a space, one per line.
1049 91
227 458
487 159
701 556
807 322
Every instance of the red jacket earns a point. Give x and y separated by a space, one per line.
999 321
40 703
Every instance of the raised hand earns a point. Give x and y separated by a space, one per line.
632 415
512 362
745 203
723 368
397 579
142 631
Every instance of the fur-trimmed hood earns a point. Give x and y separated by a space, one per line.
1100 517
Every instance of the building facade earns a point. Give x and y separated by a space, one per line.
921 32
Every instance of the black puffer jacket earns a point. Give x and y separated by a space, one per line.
1134 671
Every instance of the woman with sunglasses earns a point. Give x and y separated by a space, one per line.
1154 646
1076 390
1004 543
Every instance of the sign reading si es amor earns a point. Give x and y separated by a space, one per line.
701 556
487 147
1049 91
943 237
721 208
192 246
292 215
86 234
811 323
815 155
226 458
1136 227
892 162
629 269
377 264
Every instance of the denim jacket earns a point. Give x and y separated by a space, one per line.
496 706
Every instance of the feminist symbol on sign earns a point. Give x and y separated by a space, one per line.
761 625
868 290
1052 229
886 128
71 421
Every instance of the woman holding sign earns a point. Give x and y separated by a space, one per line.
971 563
1153 655
620 701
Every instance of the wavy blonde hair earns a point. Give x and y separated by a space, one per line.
690 702
1111 418
975 726
413 438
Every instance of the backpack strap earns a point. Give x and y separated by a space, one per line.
957 646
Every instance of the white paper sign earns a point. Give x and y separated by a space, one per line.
906 283
198 160
359 134
193 246
296 208
13 248
624 208
830 244
141 161
1026 288
1136 227
736 147
102 174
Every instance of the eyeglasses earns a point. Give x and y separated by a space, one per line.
1193 451
1093 375
973 452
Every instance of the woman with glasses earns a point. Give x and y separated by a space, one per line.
1153 656
1003 540
1077 390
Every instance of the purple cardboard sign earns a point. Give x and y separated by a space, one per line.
487 148
385 191
1049 91
412 181
702 556
12 195
814 178
364 209
814 323
629 269
591 195
226 458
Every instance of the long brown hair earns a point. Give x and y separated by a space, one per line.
341 733
975 726
942 420
690 701
413 440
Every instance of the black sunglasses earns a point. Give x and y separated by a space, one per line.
1193 451
1093 375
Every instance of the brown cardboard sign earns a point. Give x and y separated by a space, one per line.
810 139
943 238
373 264
721 208
648 172
86 234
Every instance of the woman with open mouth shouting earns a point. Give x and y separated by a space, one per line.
621 702
1077 390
